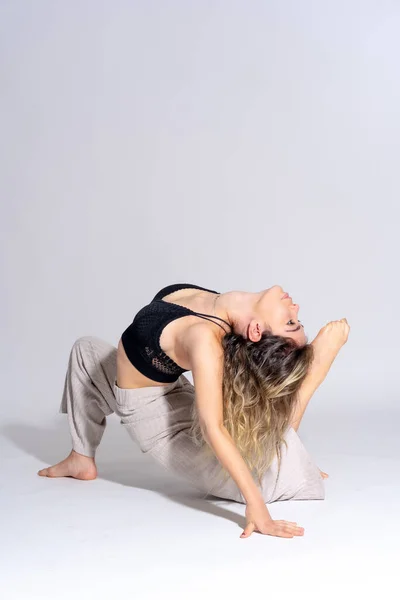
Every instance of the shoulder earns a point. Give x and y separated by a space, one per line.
202 345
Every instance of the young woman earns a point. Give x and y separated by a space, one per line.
253 374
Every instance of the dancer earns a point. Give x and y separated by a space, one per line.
234 432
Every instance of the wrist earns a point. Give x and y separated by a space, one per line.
325 348
257 503
323 358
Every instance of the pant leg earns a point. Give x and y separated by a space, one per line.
88 394
159 420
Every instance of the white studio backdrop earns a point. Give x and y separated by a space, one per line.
231 144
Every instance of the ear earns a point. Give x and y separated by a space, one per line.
254 330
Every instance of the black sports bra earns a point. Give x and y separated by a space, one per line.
141 340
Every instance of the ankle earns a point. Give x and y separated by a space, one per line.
76 454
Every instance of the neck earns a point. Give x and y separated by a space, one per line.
237 308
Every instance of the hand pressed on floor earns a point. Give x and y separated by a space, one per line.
258 519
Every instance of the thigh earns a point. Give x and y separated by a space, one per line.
98 360
177 451
159 419
299 478
296 478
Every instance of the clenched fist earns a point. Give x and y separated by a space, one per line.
332 336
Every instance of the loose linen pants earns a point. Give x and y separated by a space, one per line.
158 418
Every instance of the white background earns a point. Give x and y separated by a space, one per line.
231 144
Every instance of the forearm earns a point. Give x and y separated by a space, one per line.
322 362
230 458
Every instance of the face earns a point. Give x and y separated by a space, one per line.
279 313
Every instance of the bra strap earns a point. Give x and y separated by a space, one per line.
205 315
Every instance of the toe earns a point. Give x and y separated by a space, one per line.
51 472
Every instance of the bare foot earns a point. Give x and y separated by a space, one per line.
75 465
324 475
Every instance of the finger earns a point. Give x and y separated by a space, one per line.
288 531
283 532
248 530
294 529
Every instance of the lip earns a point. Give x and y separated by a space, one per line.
286 296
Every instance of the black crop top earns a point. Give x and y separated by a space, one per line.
141 340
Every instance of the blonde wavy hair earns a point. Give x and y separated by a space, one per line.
260 384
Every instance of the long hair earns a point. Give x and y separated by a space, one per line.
260 384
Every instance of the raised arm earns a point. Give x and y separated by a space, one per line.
326 346
206 357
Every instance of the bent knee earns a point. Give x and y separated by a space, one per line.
82 342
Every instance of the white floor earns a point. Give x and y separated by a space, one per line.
138 532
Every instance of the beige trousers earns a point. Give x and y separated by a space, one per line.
158 418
